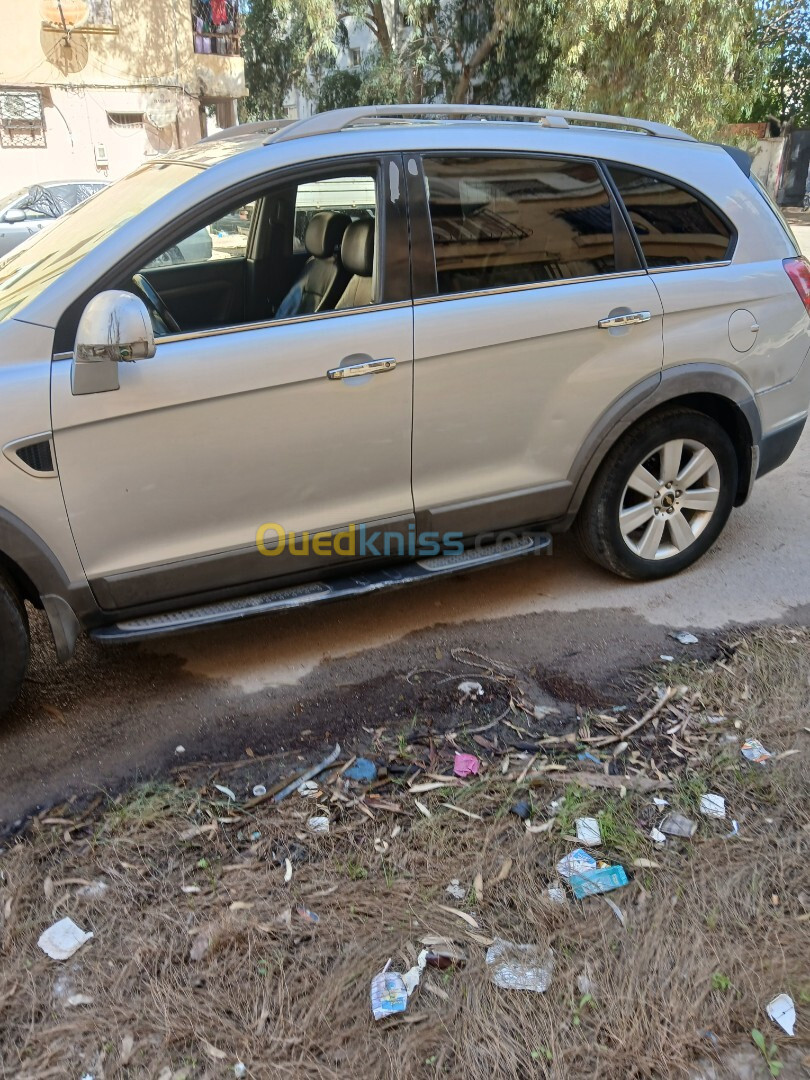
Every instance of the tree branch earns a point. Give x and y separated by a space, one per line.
469 69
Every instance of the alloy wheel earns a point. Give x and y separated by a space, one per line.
670 498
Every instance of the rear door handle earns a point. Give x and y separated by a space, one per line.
368 367
624 320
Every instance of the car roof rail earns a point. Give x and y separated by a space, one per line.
260 127
327 123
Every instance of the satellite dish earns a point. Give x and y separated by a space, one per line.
161 108
65 14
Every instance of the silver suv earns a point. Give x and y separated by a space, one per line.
421 339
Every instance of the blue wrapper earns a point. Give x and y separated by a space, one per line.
597 881
388 994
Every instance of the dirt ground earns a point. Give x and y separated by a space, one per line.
229 934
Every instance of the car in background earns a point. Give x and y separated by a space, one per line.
31 209
25 212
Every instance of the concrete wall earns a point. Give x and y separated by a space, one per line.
144 62
766 163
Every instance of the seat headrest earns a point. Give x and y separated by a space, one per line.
325 232
357 249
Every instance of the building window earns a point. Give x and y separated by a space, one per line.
215 24
355 57
22 121
125 120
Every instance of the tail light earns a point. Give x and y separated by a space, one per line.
798 270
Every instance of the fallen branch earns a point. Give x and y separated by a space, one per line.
606 740
600 780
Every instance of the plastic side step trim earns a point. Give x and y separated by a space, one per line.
296 596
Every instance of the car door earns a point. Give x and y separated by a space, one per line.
218 460
536 318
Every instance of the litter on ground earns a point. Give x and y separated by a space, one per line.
678 825
588 831
456 890
465 765
578 862
712 805
318 824
362 770
602 880
783 1012
63 939
753 750
470 689
520 967
389 995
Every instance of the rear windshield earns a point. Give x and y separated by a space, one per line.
29 269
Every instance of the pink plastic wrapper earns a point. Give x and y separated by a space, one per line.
466 765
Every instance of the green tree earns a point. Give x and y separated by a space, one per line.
692 63
280 41
783 34
340 89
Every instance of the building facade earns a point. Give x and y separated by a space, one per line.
91 88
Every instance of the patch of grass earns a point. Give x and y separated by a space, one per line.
690 787
576 802
355 871
620 831
144 806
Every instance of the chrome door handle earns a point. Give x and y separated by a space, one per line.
368 367
624 320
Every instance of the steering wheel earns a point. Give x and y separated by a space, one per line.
162 317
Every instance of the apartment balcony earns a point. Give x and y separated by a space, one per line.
218 65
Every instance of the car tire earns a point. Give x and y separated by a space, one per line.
636 520
14 644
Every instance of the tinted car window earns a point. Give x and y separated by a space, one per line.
501 221
70 195
674 226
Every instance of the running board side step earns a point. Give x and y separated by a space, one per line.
296 596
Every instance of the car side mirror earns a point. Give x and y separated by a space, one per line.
114 327
14 217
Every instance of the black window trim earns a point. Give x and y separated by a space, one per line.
425 279
391 242
691 190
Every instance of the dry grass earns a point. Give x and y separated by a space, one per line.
290 999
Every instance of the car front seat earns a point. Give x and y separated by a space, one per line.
323 278
357 256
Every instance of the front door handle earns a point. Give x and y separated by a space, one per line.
368 367
624 320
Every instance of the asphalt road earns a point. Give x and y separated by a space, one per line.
113 715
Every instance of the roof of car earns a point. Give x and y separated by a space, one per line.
245 137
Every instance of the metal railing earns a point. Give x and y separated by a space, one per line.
216 28
339 119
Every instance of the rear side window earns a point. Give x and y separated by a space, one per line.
502 221
675 227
